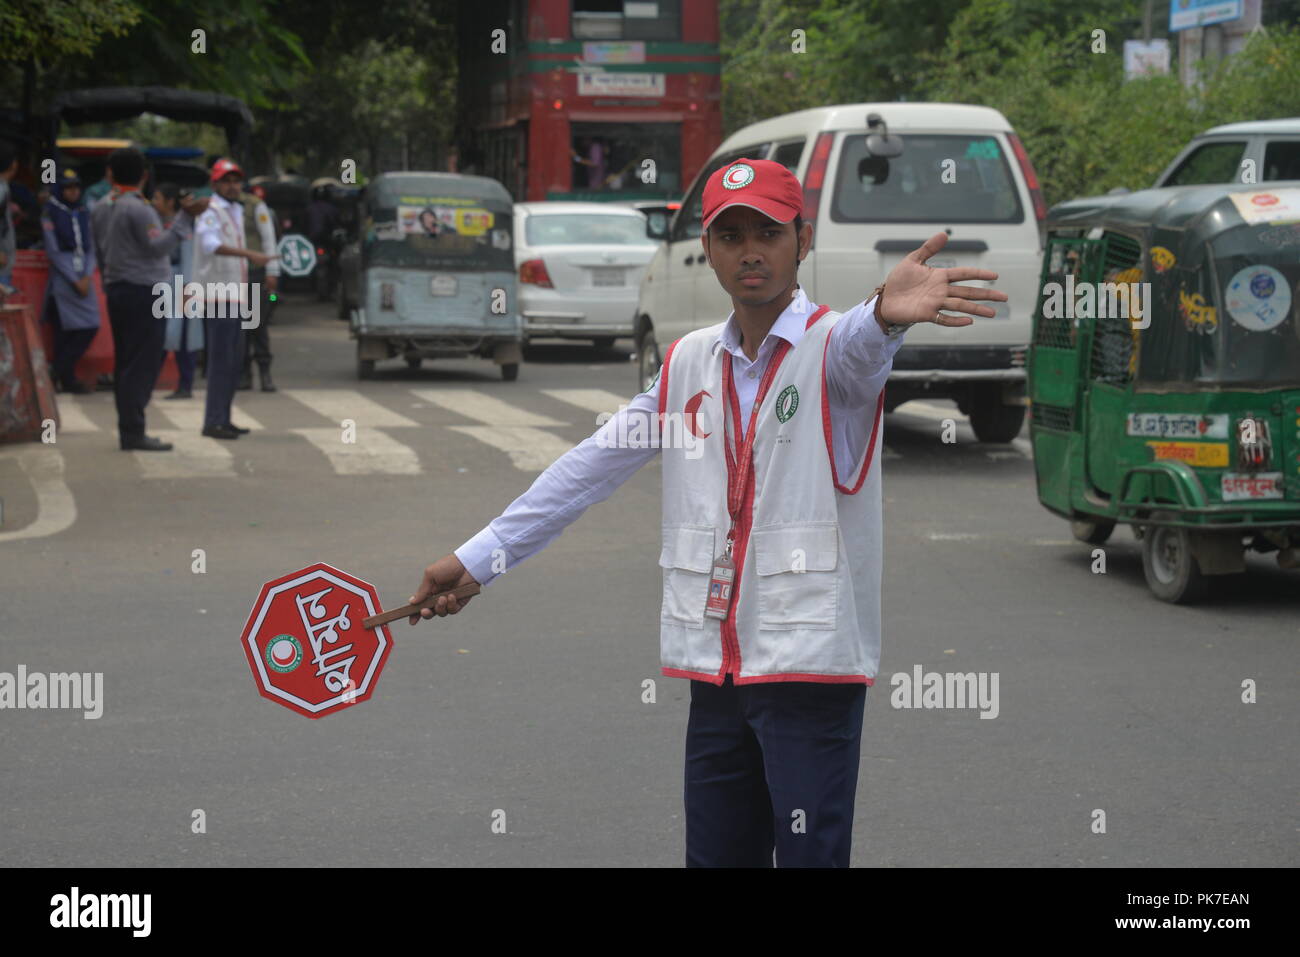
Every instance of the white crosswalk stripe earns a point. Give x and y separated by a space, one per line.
192 456
339 404
72 416
373 453
593 400
530 450
929 411
485 408
187 414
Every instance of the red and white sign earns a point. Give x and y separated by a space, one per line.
1238 486
305 644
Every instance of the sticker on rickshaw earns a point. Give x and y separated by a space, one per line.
1258 298
1198 316
1235 486
1176 425
1207 455
1268 206
1162 259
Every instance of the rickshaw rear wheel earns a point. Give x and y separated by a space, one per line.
1171 570
991 420
1093 531
510 371
365 368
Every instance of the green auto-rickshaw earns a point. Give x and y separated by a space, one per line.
1164 376
432 274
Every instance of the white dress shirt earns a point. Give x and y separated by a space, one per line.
208 228
858 362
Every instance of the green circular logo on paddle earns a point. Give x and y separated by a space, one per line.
786 403
284 653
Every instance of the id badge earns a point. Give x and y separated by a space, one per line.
720 582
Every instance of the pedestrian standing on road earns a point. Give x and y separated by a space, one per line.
8 238
221 264
259 235
136 250
71 305
183 336
772 523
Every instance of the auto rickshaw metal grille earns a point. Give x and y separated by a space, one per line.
1056 417
1064 258
1113 341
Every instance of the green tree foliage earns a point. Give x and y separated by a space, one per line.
59 28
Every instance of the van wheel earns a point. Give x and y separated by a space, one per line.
510 371
365 368
1093 530
648 360
991 420
1170 567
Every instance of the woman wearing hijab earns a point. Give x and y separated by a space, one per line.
70 301
184 334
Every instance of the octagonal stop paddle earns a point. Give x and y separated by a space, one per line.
310 648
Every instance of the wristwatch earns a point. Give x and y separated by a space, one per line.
893 328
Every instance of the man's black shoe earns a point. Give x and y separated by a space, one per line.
236 428
180 394
145 443
220 432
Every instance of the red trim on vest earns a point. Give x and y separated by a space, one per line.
663 384
830 444
693 675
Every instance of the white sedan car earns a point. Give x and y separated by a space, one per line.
580 268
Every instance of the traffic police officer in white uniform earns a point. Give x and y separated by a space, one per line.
771 551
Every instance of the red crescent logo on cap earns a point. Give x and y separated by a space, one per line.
742 174
692 409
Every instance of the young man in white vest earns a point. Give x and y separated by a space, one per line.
221 264
771 523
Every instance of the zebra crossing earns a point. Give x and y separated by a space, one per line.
366 434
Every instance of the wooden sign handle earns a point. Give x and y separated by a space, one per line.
384 617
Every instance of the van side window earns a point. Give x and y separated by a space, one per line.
686 225
789 154
1282 159
1210 163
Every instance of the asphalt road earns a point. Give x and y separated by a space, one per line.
530 701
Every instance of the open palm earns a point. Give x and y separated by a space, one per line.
915 292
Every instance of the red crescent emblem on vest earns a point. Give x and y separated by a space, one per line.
692 409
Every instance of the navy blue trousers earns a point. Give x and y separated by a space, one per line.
772 766
225 344
137 352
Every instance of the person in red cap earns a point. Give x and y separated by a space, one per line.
768 425
221 264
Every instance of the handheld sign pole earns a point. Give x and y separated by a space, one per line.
383 618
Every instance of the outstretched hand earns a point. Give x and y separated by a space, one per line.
915 292
446 573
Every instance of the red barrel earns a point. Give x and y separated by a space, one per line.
26 393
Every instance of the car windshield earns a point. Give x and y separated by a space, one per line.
950 179
1231 316
585 229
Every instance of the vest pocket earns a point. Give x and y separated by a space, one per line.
686 560
795 575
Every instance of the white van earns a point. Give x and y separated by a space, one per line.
962 170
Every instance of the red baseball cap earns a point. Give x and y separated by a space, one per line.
763 185
223 167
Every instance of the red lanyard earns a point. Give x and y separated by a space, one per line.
736 482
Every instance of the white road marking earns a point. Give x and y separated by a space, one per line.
593 400
73 417
192 456
1054 541
1024 447
999 455
930 411
952 536
530 450
187 414
56 509
339 404
487 409
373 453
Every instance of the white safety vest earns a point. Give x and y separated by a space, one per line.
806 600
216 268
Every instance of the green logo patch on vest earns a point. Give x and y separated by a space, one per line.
786 403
